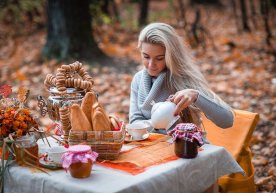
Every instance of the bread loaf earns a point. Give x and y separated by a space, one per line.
87 104
115 123
100 120
79 120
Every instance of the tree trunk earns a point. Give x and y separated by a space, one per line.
70 32
143 16
265 13
214 2
115 11
104 7
182 20
244 16
253 13
234 6
273 3
195 26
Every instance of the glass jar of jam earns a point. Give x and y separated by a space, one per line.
187 138
185 149
79 160
26 150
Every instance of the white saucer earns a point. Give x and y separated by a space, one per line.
49 164
128 138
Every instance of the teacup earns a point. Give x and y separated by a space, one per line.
137 130
54 154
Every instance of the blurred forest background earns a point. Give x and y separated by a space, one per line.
234 43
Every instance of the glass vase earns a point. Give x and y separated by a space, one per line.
26 150
4 153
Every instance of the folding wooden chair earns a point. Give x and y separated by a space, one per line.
236 140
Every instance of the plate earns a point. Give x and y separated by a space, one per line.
128 138
49 164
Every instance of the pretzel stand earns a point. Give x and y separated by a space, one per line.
66 87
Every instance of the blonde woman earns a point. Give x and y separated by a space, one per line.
170 74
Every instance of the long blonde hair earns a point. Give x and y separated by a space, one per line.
183 72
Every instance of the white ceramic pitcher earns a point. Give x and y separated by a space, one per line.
162 115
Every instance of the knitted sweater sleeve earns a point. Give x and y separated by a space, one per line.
219 114
134 112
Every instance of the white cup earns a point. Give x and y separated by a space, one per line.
137 130
54 154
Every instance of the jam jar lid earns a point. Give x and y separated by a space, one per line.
78 153
79 148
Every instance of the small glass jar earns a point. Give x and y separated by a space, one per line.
79 160
26 150
187 138
81 170
185 148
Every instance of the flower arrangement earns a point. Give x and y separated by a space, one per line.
15 118
16 122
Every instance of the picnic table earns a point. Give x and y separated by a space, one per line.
175 175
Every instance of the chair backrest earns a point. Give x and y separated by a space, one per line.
237 137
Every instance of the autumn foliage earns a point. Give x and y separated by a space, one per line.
18 121
238 65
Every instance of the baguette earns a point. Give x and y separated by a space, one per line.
79 120
87 104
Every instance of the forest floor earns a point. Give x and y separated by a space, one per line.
238 66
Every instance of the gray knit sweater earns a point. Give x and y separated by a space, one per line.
144 90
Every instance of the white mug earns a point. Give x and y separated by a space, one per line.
137 130
54 154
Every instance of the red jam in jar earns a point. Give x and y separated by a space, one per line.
185 149
187 138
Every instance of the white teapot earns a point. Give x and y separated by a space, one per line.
162 115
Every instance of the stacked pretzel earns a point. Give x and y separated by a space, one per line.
91 116
66 78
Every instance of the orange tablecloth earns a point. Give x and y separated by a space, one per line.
151 140
138 159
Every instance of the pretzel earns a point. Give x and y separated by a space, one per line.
64 79
65 121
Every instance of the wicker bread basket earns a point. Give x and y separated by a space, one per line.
107 144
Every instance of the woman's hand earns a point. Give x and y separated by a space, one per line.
183 99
